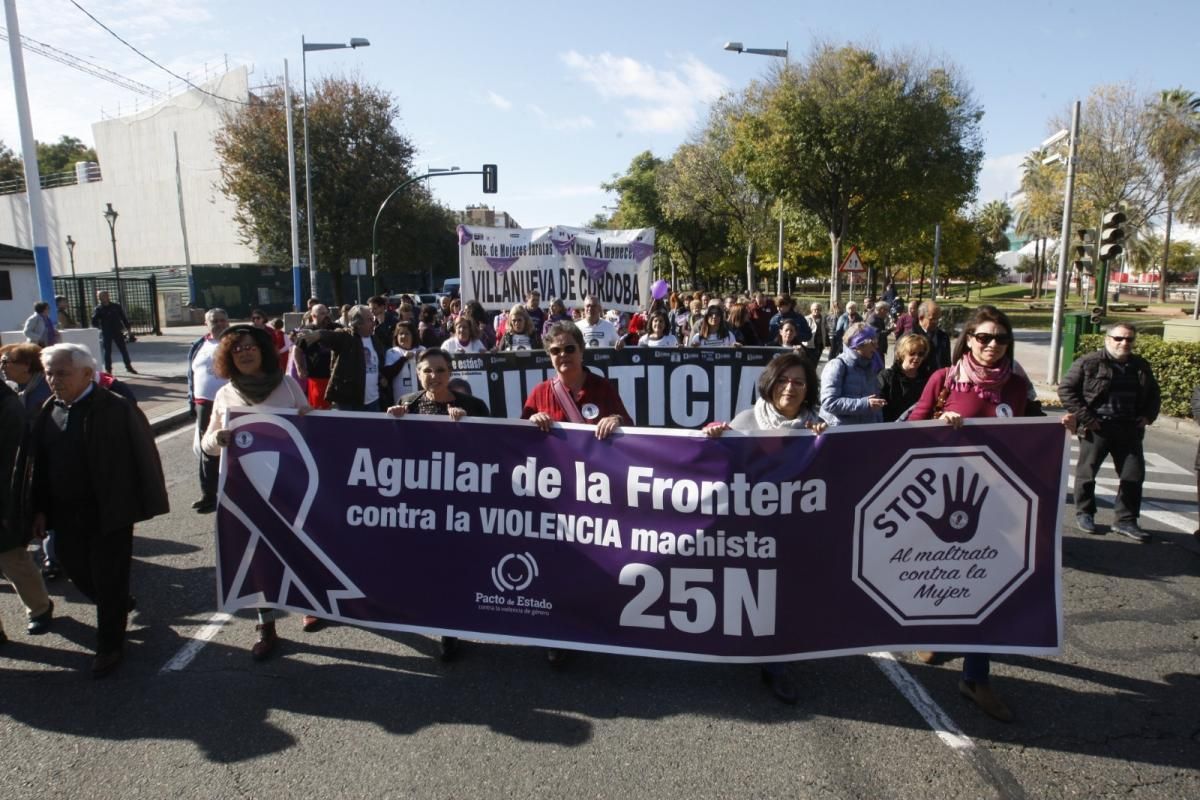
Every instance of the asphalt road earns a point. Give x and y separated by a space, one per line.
348 712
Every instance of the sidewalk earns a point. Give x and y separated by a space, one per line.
161 383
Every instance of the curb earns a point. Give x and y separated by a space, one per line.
173 419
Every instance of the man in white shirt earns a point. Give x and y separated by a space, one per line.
597 331
203 384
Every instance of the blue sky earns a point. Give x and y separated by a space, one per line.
562 95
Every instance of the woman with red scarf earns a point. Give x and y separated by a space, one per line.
982 381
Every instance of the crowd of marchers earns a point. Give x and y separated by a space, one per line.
86 470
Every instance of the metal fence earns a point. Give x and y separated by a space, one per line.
138 296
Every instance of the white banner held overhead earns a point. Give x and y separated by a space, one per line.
500 266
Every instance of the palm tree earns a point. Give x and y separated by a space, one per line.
1175 149
995 218
1039 208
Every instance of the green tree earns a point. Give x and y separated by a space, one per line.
680 239
11 168
62 155
357 158
850 133
705 185
1174 148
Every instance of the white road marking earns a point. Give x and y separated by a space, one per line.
1180 488
190 650
926 706
1154 463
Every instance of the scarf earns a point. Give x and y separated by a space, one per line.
256 388
971 376
768 418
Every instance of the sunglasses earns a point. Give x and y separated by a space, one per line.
1123 338
566 350
244 348
987 338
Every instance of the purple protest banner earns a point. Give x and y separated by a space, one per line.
750 547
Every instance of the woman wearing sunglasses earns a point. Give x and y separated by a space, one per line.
713 330
574 394
247 358
982 381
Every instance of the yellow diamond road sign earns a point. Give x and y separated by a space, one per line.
852 263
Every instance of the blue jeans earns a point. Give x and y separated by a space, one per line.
976 667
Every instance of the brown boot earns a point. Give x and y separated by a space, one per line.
982 695
267 640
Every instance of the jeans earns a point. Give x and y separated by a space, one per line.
976 667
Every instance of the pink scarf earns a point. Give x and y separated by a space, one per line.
968 375
567 403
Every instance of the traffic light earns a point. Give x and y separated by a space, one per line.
489 178
1112 235
1085 247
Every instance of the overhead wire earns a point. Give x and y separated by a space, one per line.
83 65
175 75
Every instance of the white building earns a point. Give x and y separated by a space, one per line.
158 191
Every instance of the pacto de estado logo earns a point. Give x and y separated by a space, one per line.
514 572
945 536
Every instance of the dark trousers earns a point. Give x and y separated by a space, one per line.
106 343
1124 441
98 565
210 466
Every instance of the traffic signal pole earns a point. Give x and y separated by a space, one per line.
1060 292
489 187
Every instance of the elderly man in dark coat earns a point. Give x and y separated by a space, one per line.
91 471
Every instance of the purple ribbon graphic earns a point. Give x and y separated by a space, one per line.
501 265
641 251
596 267
277 556
464 235
563 246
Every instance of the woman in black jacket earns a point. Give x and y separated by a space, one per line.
437 398
902 383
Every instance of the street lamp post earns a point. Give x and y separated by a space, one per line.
71 252
110 216
305 47
736 47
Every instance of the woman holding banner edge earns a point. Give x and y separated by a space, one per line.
574 394
787 400
437 398
246 355
981 382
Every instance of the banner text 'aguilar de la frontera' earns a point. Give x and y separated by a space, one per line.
744 548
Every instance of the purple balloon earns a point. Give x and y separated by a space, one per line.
660 289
